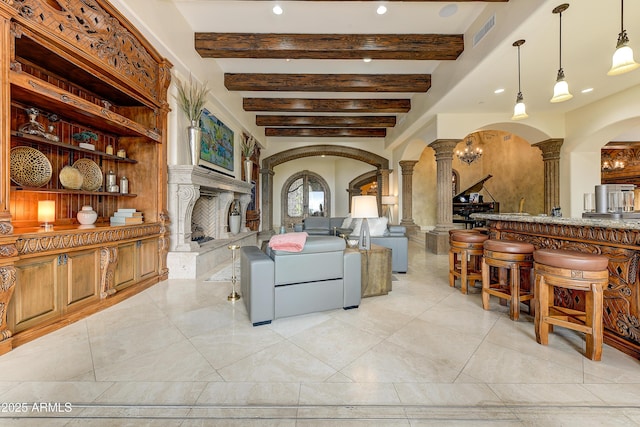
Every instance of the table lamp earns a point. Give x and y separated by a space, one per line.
364 207
47 213
388 202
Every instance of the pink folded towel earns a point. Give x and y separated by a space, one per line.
289 242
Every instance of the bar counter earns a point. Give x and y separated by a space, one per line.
618 240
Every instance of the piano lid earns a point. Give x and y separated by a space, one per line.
475 188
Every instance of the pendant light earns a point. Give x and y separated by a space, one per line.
561 88
623 56
519 111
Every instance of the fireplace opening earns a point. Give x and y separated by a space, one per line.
203 219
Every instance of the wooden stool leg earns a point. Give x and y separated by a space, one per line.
532 305
542 310
452 267
464 265
514 309
485 284
593 318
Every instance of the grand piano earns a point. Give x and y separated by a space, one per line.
464 206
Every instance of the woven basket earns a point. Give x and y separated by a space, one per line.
71 178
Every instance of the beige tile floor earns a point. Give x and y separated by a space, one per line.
180 354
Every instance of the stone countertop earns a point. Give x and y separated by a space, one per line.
633 224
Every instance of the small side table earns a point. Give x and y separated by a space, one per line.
376 271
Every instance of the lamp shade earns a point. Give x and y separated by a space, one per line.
46 211
623 61
389 200
364 207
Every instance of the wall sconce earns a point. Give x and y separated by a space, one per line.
561 88
622 61
47 213
364 207
519 110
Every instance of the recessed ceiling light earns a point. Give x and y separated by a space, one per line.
277 9
448 10
587 90
382 9
366 59
288 59
498 91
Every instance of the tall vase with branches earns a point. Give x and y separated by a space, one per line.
248 147
191 99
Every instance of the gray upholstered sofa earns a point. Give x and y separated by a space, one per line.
394 237
280 284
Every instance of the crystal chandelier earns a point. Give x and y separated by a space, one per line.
469 155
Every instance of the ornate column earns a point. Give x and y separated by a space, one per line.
407 195
267 205
551 158
438 239
8 256
6 45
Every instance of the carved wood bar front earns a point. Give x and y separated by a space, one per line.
617 240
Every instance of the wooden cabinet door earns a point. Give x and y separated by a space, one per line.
36 297
126 265
82 278
147 258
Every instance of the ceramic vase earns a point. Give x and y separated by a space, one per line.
87 215
234 224
195 136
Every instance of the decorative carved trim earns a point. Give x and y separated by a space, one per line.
8 250
108 260
6 227
88 27
7 286
35 244
163 250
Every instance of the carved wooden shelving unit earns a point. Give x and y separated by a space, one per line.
86 70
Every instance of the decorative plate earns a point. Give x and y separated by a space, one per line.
71 178
29 167
90 172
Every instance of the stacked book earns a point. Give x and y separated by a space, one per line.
126 217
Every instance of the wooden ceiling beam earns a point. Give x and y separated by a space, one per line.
327 105
328 82
326 121
436 47
326 132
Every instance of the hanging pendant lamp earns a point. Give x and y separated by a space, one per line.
520 110
622 61
561 88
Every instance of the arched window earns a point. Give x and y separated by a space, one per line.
304 194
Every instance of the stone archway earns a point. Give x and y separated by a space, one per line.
268 163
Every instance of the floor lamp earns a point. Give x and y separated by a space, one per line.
389 202
364 207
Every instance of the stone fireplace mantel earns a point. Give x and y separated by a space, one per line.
186 184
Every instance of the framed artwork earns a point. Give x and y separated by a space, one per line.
216 149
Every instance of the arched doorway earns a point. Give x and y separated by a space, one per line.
304 194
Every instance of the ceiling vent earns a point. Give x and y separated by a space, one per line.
491 22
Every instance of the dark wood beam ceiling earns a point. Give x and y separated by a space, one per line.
327 132
328 82
438 47
327 121
302 105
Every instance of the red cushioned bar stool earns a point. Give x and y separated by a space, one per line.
465 251
577 271
511 259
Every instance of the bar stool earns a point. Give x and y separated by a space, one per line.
510 258
577 271
465 251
